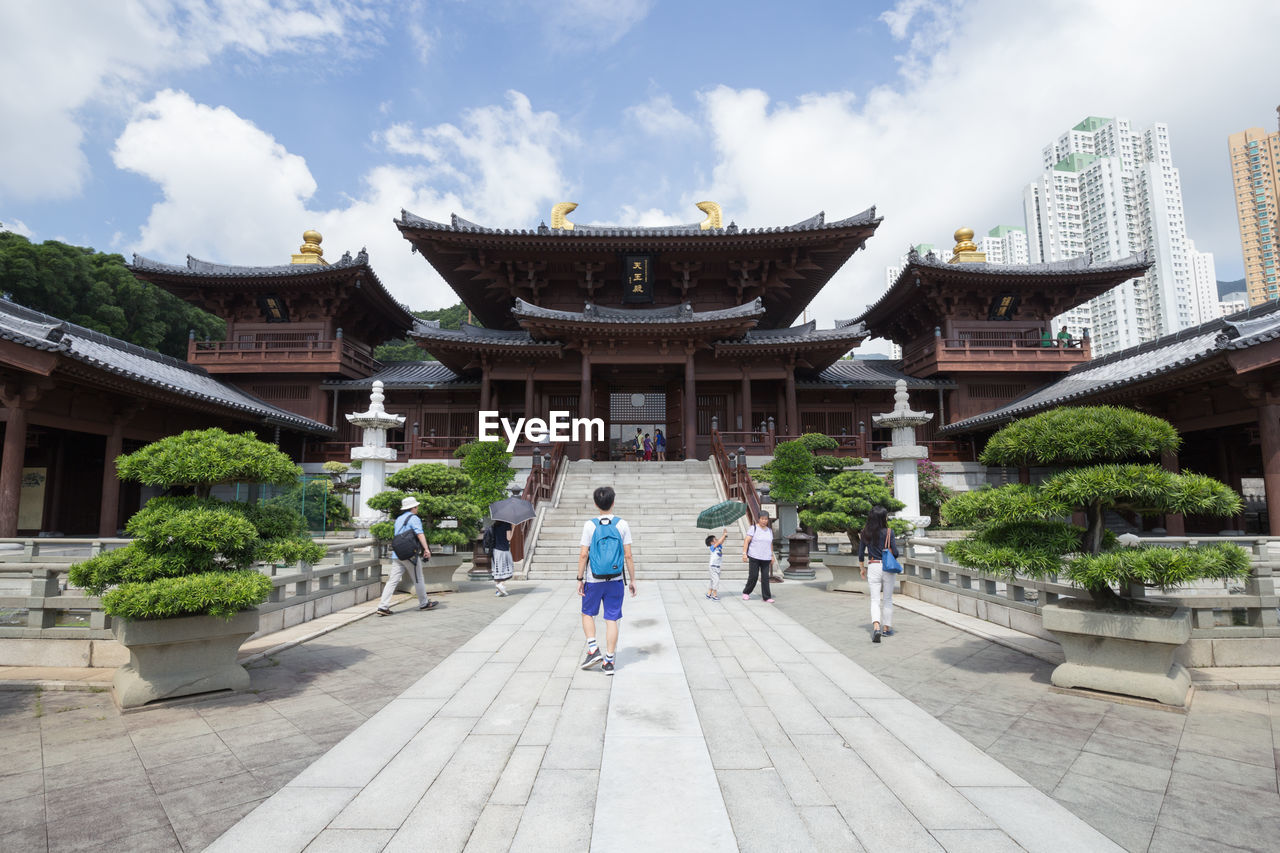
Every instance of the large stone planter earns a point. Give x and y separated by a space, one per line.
845 576
438 572
180 657
1126 653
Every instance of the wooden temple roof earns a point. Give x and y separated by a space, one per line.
815 348
360 301
1219 344
551 324
112 363
784 266
929 289
460 349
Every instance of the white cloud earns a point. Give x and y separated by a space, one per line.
659 117
233 194
629 216
422 37
16 226
108 55
590 24
955 140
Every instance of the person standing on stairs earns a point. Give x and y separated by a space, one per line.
605 553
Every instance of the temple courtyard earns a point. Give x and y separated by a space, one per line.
728 726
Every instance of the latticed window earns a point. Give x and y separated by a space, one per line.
638 408
709 406
563 403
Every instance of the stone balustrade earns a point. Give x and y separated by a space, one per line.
37 606
1230 626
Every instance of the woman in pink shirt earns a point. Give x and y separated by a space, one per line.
757 550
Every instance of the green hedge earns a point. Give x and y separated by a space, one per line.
221 594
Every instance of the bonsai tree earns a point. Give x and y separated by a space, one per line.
842 505
318 501
791 475
192 553
1021 530
488 464
442 493
343 484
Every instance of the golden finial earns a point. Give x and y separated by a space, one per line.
966 251
310 252
559 212
714 218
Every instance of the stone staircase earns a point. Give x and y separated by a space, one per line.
659 500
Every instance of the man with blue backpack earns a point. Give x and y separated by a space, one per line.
604 561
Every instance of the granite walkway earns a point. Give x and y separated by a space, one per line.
729 726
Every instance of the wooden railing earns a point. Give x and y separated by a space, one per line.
735 476
980 350
223 353
539 487
420 447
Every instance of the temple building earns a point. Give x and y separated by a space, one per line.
686 329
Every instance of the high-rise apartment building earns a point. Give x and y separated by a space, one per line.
1204 273
1113 192
1255 170
1005 244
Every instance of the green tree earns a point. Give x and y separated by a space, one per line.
320 504
488 464
1020 530
442 493
193 554
405 349
97 291
842 505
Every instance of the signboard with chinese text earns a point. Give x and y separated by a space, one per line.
637 278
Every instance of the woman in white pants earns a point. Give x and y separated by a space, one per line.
871 543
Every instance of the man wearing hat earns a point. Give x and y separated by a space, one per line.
408 519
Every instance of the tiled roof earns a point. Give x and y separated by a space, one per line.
468 333
806 333
405 374
682 313
871 373
813 223
41 331
1138 364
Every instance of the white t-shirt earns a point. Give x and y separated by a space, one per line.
589 530
761 545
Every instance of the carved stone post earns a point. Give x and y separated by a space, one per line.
904 452
373 456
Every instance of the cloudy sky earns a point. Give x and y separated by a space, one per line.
224 128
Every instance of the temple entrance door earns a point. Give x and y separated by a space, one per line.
641 407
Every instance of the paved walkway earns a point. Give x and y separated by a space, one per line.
729 726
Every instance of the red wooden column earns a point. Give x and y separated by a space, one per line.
110 505
1174 523
793 411
690 406
484 384
584 402
1269 433
528 393
746 400
11 461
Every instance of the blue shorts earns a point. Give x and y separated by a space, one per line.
610 592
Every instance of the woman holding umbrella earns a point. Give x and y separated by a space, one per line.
506 514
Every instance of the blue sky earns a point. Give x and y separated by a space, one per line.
225 128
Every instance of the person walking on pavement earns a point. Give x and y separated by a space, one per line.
605 554
875 539
500 563
757 549
408 519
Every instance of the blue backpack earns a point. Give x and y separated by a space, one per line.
606 555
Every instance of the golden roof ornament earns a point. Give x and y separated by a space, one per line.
966 251
558 214
714 217
310 252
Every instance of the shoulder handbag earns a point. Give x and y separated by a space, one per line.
405 544
888 562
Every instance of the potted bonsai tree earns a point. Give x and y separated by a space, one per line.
182 595
1112 640
488 464
842 506
448 516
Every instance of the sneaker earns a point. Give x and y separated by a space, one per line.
593 658
768 601
887 632
383 611
875 635
607 667
428 605
746 597
714 597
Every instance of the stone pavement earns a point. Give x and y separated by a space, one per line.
729 726
75 774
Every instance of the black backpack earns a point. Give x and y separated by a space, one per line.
487 540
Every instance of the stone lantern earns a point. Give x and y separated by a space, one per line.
373 455
904 452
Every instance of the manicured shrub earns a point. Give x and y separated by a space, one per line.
442 493
842 505
488 464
